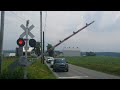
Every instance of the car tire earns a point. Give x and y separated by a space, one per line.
51 66
67 70
54 70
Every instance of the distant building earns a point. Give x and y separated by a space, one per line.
74 51
21 51
12 54
29 51
9 54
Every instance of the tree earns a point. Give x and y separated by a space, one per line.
90 53
37 49
50 52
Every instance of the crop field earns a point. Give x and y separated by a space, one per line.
105 64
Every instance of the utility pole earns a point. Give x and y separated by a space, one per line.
41 33
1 39
43 46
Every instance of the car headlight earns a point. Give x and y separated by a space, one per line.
66 65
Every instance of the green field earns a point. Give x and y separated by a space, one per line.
105 64
35 71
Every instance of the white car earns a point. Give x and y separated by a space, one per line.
51 64
49 59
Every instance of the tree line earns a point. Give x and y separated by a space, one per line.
37 49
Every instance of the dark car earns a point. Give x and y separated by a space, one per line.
60 64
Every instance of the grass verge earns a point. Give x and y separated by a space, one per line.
35 71
105 64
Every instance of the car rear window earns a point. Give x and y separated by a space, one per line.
60 61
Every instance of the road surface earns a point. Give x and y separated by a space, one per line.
76 72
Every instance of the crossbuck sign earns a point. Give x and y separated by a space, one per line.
29 29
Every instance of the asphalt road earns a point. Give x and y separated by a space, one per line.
76 72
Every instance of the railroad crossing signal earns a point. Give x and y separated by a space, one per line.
20 42
29 29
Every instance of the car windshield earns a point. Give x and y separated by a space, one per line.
50 57
60 61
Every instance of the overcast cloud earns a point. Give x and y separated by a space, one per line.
103 35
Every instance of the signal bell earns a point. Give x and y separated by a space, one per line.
20 42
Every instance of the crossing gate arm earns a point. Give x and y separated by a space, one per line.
74 33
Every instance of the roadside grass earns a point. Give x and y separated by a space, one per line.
39 71
35 71
6 74
105 64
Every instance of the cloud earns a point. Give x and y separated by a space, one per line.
103 35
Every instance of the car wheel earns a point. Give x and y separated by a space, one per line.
51 66
54 70
66 70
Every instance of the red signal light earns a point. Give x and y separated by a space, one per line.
20 42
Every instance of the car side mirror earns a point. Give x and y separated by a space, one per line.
67 62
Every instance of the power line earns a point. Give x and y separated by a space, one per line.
18 16
21 18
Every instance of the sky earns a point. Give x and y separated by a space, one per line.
101 36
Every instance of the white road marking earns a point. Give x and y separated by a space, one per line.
73 77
